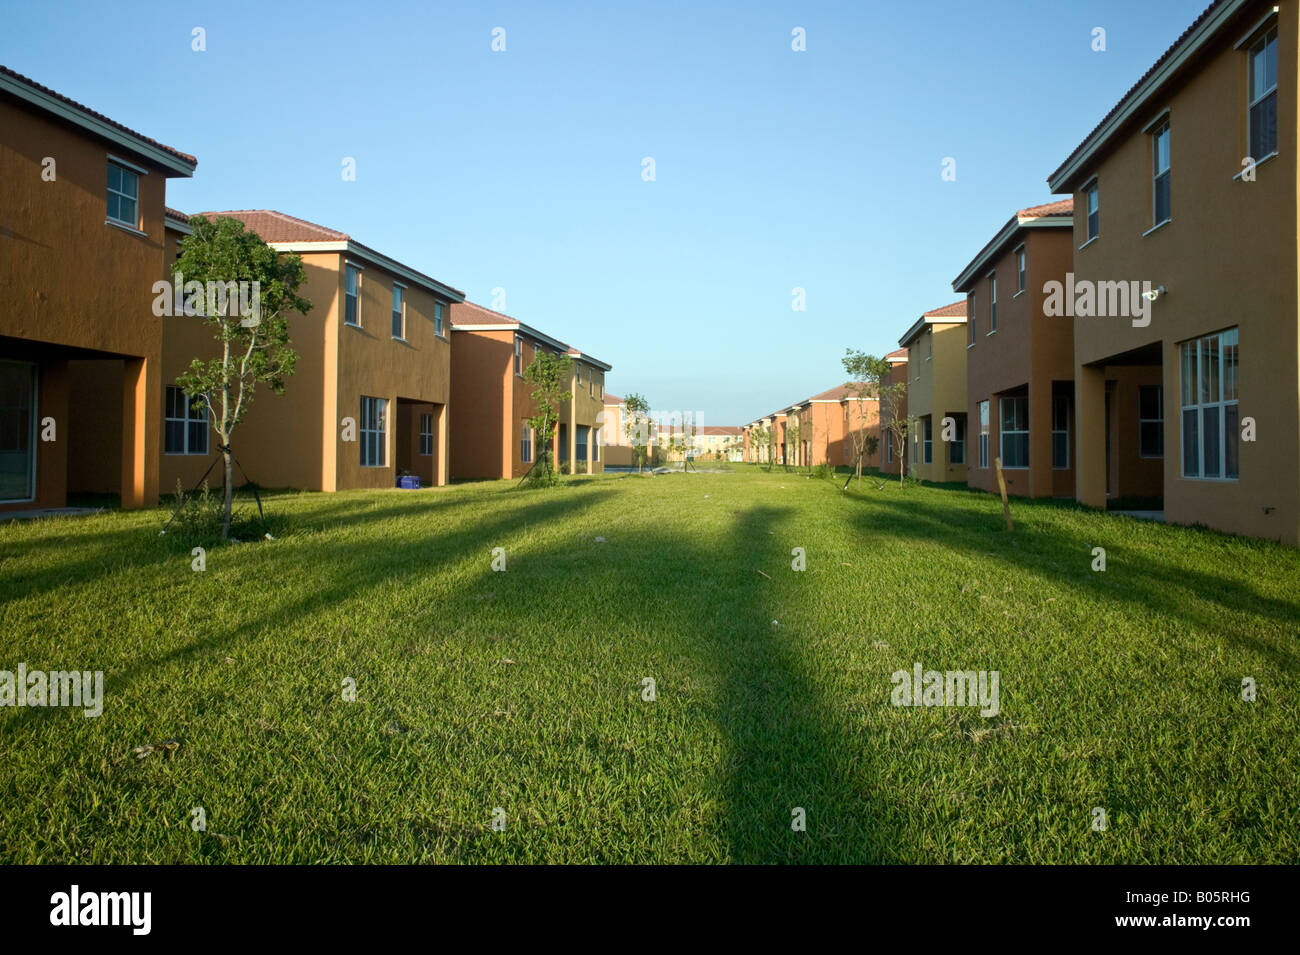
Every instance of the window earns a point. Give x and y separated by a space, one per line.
916 447
993 303
18 415
185 425
957 447
927 439
525 442
929 343
1209 405
595 448
352 300
399 313
1014 435
374 432
437 318
1151 421
1092 202
984 434
123 195
889 449
1060 432
1021 269
519 356
426 434
1262 107
970 318
1160 172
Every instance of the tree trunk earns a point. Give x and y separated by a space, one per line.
859 470
229 489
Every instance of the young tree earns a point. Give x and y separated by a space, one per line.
255 347
792 447
637 426
867 381
549 375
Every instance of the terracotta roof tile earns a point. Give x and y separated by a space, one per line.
955 310
1062 207
99 116
275 226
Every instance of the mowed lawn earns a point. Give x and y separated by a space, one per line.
522 690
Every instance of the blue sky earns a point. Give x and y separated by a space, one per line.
522 169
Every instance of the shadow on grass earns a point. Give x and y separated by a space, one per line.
1047 550
340 571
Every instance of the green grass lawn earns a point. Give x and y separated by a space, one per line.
523 690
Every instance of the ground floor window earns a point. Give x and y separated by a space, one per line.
1151 421
1014 435
1060 432
526 444
927 439
1208 388
374 432
17 431
185 424
595 448
984 434
426 434
957 447
889 447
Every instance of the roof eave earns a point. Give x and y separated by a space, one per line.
93 124
999 242
1080 161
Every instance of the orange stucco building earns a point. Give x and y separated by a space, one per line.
369 397
492 399
1020 363
82 242
1187 385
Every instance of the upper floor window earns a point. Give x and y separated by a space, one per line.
1092 203
1160 172
993 303
352 298
1263 95
1021 269
437 318
519 356
399 313
970 318
123 195
929 343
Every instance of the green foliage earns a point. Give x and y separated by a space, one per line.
637 426
253 349
549 375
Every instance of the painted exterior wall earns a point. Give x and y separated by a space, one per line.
1029 355
891 461
296 439
1228 257
78 294
936 388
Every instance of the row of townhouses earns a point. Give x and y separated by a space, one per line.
88 394
1138 340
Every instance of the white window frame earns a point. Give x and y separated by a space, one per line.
526 444
352 271
993 303
1091 196
134 173
927 440
1022 269
426 434
1261 39
519 356
1162 127
1160 407
1199 407
191 417
982 409
399 311
1004 432
1061 401
437 318
374 424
